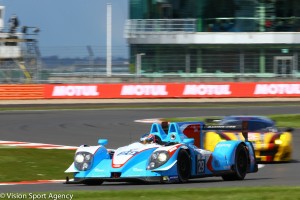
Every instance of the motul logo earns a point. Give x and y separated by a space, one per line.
207 90
90 90
277 89
146 90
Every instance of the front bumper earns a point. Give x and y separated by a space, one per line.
156 179
274 153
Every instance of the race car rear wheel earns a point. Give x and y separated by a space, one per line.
240 166
183 166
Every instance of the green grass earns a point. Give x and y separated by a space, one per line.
290 120
236 193
18 164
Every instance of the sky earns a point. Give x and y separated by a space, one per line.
68 26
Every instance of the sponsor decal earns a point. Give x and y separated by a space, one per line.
224 145
172 149
253 137
98 170
200 165
220 127
144 90
137 169
75 90
130 152
207 90
275 89
172 178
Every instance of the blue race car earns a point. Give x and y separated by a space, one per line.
175 156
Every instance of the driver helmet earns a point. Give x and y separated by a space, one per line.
148 139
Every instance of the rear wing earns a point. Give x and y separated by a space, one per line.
195 130
213 120
243 127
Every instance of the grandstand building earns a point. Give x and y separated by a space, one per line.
214 38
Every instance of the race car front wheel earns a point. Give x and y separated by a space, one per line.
240 166
183 166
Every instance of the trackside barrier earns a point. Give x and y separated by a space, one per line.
173 90
22 92
151 90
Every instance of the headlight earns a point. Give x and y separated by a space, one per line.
157 159
79 158
83 161
278 142
162 157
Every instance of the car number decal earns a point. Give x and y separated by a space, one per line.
200 166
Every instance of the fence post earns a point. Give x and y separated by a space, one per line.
242 62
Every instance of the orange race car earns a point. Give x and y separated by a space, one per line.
270 143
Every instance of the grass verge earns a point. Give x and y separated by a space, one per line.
249 193
19 164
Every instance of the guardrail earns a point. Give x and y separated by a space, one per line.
134 27
150 26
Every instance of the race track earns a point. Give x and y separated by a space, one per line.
87 126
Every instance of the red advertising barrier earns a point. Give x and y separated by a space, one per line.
22 91
173 90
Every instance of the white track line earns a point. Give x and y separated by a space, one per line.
35 145
32 182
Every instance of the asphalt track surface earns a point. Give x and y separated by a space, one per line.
76 127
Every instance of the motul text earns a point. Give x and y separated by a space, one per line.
207 90
147 90
274 89
70 90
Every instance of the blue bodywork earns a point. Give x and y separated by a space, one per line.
254 122
159 162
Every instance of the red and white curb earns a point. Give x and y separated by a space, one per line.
148 121
35 145
32 182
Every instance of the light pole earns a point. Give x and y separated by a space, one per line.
108 39
138 65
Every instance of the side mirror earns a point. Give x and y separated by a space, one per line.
102 142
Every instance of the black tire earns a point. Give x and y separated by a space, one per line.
183 166
92 182
240 166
